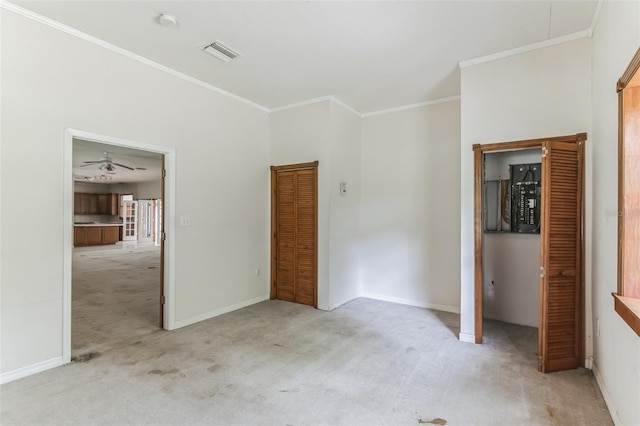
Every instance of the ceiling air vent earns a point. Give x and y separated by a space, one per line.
221 51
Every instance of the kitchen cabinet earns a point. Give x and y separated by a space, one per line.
110 234
95 204
95 235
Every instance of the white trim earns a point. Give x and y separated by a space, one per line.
67 242
468 338
410 302
344 302
127 53
345 106
523 49
606 396
302 103
169 209
596 16
411 106
588 363
38 367
220 311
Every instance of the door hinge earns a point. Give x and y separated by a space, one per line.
163 237
545 151
164 172
163 300
542 272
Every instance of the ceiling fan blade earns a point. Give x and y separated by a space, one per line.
85 165
122 165
92 162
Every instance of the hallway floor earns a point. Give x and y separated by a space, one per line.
115 296
278 363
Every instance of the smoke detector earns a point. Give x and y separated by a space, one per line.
221 51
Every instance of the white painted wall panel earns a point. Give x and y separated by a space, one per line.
410 205
617 348
222 176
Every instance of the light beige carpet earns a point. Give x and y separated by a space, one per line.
115 297
277 363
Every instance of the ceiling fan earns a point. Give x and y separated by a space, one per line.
106 163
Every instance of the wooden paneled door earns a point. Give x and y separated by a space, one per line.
560 335
294 233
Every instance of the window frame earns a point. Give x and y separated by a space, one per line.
626 303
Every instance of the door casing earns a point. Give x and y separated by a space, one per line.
167 279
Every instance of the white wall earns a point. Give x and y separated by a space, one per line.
542 93
344 219
222 152
511 260
617 348
302 135
92 188
410 206
326 132
147 190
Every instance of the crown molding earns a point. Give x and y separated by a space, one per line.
113 48
411 106
345 106
315 101
302 103
596 16
524 49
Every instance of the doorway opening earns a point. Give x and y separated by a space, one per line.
119 286
544 198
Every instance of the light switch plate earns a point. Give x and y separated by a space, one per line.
185 220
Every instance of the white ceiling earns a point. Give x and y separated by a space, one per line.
136 159
369 55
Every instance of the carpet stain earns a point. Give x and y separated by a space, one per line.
278 345
85 357
214 368
410 349
159 372
436 421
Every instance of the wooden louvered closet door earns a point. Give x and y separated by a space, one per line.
294 233
560 332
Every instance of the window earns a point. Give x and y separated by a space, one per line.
627 299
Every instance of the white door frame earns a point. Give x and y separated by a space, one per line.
127 220
67 228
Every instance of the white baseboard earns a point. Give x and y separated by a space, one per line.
344 302
38 367
420 304
465 337
605 395
218 312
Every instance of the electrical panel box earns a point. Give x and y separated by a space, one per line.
525 198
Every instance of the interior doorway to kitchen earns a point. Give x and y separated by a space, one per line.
115 291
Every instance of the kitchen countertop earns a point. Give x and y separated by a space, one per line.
83 224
